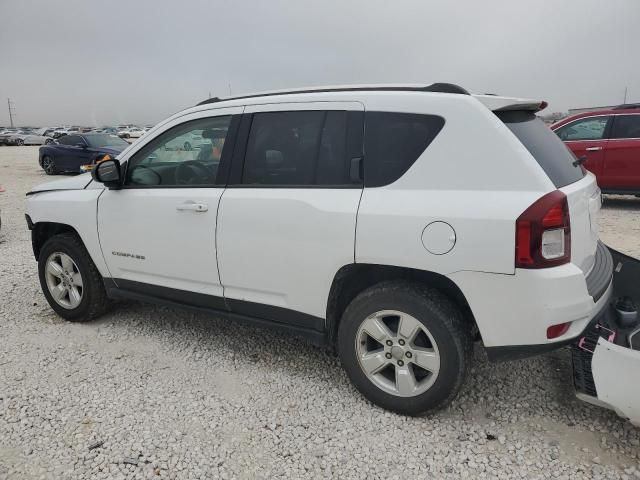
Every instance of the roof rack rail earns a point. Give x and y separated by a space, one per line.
439 87
626 106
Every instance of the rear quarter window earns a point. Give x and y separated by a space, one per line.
551 154
393 142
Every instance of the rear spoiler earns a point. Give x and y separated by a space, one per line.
507 104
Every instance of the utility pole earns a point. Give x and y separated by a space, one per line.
12 110
625 95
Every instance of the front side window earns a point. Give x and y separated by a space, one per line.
626 126
186 155
297 148
585 129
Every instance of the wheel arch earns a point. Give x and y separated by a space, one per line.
43 231
352 279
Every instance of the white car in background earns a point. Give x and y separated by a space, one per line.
133 132
36 138
189 141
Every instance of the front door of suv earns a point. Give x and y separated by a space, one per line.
288 216
157 233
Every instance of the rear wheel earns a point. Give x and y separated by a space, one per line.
405 347
48 165
48 141
20 142
70 280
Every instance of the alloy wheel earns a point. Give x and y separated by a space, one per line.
64 280
397 353
47 165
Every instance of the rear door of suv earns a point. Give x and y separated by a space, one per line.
287 218
622 154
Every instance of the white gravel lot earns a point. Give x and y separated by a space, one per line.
163 393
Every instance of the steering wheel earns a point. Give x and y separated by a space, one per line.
192 172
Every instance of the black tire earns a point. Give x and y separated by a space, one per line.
94 297
48 141
187 146
49 165
20 142
444 322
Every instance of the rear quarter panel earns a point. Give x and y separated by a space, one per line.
475 176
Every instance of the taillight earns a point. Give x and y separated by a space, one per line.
543 233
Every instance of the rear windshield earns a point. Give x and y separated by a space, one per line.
105 140
553 156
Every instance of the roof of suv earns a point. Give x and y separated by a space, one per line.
491 101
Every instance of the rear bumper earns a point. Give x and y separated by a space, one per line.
606 359
513 312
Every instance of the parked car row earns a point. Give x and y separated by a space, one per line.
47 135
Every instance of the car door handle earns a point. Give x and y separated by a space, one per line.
193 207
593 149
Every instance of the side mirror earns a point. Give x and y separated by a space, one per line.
108 173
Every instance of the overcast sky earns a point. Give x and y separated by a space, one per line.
103 62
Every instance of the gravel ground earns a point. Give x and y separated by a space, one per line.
150 392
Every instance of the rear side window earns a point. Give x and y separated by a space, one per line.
626 126
551 154
299 148
393 142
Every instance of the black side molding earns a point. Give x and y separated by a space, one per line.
275 318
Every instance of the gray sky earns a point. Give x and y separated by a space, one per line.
103 62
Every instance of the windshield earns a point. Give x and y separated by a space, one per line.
558 162
105 140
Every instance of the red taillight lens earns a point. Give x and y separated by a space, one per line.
543 233
555 331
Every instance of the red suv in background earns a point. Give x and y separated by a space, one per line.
609 140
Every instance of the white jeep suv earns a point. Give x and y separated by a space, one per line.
397 224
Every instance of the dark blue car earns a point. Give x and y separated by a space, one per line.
72 151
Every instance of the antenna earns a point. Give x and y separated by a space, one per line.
625 95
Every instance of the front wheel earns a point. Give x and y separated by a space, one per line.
70 280
48 165
405 347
